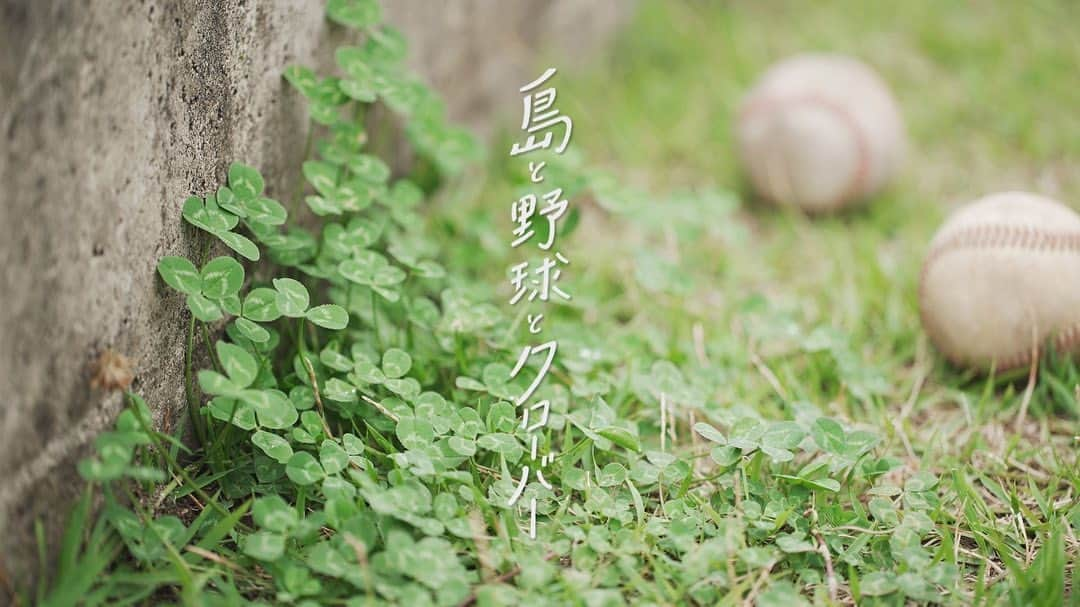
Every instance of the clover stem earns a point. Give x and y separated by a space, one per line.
221 439
300 342
294 200
314 331
408 324
189 388
459 351
318 397
210 348
375 318
381 407
206 249
311 376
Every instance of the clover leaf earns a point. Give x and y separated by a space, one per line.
180 274
232 410
369 169
333 358
329 316
273 409
208 291
324 100
272 513
415 433
371 269
219 213
359 14
292 297
239 365
829 435
366 373
222 276
302 79
231 386
273 445
354 61
502 443
406 387
304 469
396 363
322 175
324 206
261 305
266 211
244 181
708 432
385 44
240 244
358 90
265 546
339 391
251 330
227 200
403 194
332 457
207 215
345 241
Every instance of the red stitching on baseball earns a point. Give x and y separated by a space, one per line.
862 146
992 236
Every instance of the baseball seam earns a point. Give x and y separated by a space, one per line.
858 179
1002 236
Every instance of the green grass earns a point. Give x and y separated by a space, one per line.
812 447
989 96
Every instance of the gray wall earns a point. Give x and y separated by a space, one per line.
111 113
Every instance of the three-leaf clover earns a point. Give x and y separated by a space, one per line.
220 213
345 241
272 408
371 269
245 199
208 216
208 292
395 364
292 300
260 305
324 96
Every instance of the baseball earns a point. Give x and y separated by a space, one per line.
819 132
1002 277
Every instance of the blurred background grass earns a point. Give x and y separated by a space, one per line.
989 90
990 96
784 308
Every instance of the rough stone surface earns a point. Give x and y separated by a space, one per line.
111 113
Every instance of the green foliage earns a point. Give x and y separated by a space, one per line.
358 444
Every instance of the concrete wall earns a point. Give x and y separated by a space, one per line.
111 113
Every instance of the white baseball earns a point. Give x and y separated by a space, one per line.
1002 277
819 131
